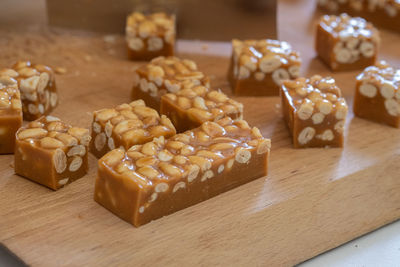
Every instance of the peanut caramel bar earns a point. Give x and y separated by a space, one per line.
51 152
150 36
377 96
383 13
258 67
165 75
10 111
127 125
189 108
314 111
163 176
345 43
37 86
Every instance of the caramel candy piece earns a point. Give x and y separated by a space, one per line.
189 108
10 110
377 96
383 13
37 86
345 43
258 67
163 176
127 125
51 152
150 36
165 75
314 111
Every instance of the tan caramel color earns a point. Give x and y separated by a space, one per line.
377 95
314 111
10 110
345 43
36 83
385 14
318 198
189 108
150 36
165 75
161 177
258 67
51 152
127 125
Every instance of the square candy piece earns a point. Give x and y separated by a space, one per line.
258 67
51 152
37 86
345 43
189 108
377 96
10 112
150 36
383 13
127 125
165 75
314 111
163 176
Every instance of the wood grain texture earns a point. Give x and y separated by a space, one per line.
312 200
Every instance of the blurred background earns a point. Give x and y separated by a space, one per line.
196 19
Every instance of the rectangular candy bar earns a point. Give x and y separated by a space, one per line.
383 13
51 152
189 108
314 111
127 125
165 75
258 67
150 36
163 176
10 111
377 96
38 89
345 43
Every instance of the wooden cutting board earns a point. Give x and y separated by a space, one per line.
312 200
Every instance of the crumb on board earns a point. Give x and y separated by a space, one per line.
60 70
88 58
109 38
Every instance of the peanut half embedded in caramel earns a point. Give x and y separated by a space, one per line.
189 108
165 75
346 43
383 13
315 111
258 67
51 152
150 36
155 179
36 83
127 125
377 96
10 110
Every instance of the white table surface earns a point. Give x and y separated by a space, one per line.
380 248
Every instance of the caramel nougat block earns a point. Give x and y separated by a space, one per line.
37 86
51 152
189 108
165 75
377 96
345 43
258 67
10 112
160 177
127 125
383 13
314 111
150 36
